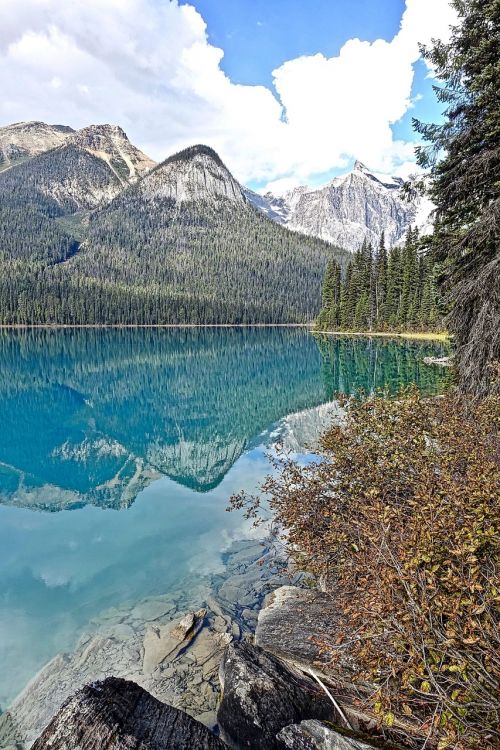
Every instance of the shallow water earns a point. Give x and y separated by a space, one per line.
120 448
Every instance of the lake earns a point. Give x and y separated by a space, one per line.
119 450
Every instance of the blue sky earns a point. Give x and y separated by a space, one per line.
287 92
259 36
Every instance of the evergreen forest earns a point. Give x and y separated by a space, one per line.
395 290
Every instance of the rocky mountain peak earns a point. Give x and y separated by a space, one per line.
353 207
360 167
110 143
22 140
96 133
195 174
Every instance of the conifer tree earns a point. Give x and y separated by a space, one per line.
463 154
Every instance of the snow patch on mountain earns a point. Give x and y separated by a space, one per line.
351 208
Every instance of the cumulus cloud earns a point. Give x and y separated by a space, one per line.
149 67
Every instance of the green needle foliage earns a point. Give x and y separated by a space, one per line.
381 291
464 156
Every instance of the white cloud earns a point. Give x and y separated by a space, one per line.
149 67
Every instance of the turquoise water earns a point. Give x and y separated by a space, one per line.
120 448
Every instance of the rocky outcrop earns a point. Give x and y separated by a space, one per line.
294 622
261 695
163 643
315 735
351 208
119 715
110 143
195 174
22 140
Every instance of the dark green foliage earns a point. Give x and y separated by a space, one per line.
465 184
384 292
149 261
329 317
36 195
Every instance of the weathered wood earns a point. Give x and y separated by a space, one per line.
119 715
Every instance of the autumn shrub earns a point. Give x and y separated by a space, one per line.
400 517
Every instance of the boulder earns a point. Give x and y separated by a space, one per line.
163 643
261 695
315 735
293 623
119 715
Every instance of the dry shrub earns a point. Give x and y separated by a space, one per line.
401 518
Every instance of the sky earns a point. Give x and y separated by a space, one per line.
286 92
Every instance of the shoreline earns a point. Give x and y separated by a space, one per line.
126 640
419 335
416 335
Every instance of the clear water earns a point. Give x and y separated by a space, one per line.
120 448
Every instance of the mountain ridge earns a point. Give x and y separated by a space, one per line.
180 245
26 140
350 209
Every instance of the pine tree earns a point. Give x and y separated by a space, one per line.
465 187
329 317
381 280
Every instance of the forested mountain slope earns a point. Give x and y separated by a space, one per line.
22 140
181 245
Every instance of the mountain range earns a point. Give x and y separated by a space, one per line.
357 206
93 231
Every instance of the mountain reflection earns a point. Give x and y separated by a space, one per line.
94 416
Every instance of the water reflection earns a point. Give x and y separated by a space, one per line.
94 416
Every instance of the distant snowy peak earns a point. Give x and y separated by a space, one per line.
383 179
110 143
195 174
353 207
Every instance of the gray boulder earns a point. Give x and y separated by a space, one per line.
261 695
314 735
294 621
120 715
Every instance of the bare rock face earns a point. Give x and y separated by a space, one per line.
357 206
261 695
22 140
314 735
110 143
119 715
195 174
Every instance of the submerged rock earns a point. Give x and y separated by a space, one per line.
162 643
315 735
261 695
119 715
